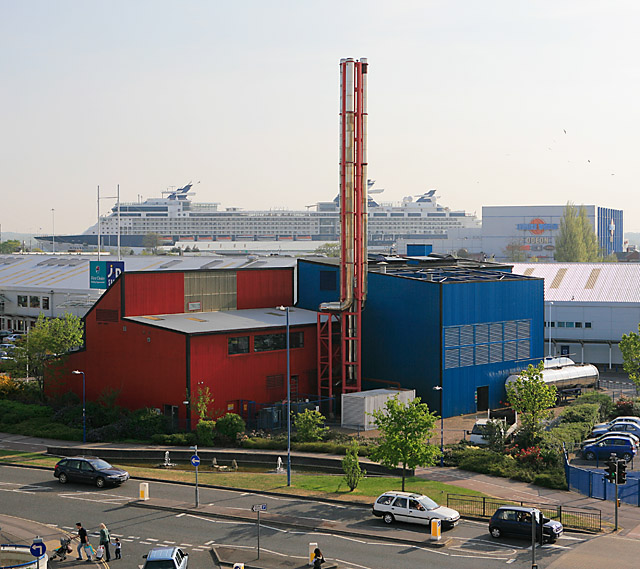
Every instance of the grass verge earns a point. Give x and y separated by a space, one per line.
314 485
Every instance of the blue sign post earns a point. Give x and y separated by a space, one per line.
38 549
195 461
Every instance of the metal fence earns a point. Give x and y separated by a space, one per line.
482 507
592 483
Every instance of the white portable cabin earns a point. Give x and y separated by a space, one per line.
357 407
564 373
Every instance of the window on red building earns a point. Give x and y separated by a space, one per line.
238 345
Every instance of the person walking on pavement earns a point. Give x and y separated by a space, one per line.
105 538
84 542
318 558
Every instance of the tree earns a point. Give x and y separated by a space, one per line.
329 250
46 345
577 241
10 246
310 426
151 241
514 253
203 402
592 249
404 433
630 348
531 397
351 467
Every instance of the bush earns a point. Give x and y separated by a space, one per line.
205 433
625 406
310 426
351 467
230 426
604 401
583 413
174 439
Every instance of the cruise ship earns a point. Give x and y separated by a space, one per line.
177 217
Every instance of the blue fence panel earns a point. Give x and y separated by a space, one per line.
592 483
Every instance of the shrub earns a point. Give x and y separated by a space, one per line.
230 426
174 439
205 432
604 401
625 406
351 467
310 426
584 413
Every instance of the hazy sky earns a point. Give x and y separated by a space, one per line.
472 98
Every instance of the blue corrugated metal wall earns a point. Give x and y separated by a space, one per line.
500 332
605 217
401 334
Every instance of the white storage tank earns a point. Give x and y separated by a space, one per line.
357 407
564 373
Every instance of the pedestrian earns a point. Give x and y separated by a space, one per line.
318 558
118 548
84 542
105 539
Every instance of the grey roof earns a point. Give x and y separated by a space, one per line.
586 282
228 320
71 272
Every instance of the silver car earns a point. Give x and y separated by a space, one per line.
413 508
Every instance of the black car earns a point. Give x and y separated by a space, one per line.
89 469
516 521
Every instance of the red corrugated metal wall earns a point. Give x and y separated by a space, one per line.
263 289
154 293
244 376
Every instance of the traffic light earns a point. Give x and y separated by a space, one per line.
622 472
611 470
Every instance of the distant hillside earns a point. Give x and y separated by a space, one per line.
633 238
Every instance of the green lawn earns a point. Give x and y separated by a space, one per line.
327 486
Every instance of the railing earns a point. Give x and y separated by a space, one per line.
482 507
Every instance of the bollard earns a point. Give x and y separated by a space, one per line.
436 528
144 490
312 548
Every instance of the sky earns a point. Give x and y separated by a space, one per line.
500 102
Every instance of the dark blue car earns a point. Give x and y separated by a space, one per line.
603 449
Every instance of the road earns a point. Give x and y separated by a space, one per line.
36 495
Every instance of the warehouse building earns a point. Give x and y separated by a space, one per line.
588 307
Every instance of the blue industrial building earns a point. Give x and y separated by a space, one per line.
462 328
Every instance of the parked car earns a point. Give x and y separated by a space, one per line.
633 438
13 338
619 427
413 508
620 446
516 521
633 418
89 469
166 558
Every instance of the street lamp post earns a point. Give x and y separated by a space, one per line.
286 310
84 406
53 230
439 388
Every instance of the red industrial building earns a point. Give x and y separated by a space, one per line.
156 337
